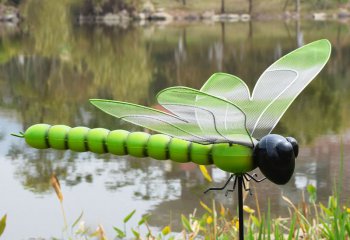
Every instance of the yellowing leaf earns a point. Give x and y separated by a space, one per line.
205 173
205 207
56 185
222 210
3 224
235 223
99 233
166 230
347 210
209 220
248 209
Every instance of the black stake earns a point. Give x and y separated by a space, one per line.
240 207
239 179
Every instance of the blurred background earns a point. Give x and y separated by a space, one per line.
56 55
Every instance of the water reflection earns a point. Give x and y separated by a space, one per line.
48 73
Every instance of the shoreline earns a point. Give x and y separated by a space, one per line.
166 17
12 15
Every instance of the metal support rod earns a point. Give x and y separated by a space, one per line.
240 207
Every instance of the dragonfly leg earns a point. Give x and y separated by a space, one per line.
249 177
245 188
220 188
253 177
233 188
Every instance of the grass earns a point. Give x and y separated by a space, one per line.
306 221
310 220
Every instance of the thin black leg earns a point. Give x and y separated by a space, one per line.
248 177
233 188
245 188
240 208
220 188
253 177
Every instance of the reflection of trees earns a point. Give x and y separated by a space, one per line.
43 90
148 178
319 109
118 60
212 48
62 68
49 27
9 46
35 168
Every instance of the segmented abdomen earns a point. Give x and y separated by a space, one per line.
231 158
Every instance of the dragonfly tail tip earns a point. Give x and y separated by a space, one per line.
20 135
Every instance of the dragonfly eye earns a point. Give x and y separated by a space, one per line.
275 156
295 145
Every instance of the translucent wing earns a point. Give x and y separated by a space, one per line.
217 119
227 86
275 90
178 124
284 80
149 118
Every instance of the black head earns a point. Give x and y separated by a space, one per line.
275 156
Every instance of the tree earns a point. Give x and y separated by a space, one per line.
297 6
250 6
183 2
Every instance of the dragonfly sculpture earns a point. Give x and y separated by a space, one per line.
221 124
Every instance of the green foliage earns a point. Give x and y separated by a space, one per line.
186 223
120 233
144 219
77 220
127 218
311 189
309 221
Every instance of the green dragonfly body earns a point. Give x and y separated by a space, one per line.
232 158
218 124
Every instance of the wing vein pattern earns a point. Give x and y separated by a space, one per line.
189 114
275 90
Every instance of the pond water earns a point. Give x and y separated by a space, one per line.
50 69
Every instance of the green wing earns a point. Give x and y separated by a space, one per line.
215 118
149 118
194 116
276 88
